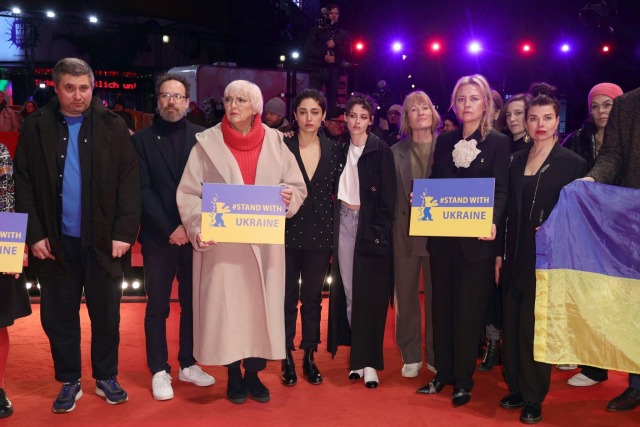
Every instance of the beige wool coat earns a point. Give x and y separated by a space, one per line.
238 289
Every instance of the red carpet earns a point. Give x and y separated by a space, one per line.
31 387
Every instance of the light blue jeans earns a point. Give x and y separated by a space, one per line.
346 246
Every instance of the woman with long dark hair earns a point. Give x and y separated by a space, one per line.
309 234
512 122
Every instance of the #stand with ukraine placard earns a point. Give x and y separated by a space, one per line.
13 233
461 207
243 213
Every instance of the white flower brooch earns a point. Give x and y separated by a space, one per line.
465 152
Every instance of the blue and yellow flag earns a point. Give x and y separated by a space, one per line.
588 279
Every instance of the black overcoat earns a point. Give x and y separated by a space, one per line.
561 167
115 185
373 260
159 181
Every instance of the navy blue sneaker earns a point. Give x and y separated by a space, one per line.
111 390
66 400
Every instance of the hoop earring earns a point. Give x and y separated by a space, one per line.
526 138
322 123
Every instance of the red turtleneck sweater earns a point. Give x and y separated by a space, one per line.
245 148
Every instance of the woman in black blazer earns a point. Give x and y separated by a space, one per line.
463 268
537 175
309 234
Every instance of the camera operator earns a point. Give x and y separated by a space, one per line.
328 48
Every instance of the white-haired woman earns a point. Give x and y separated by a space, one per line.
462 268
413 158
238 288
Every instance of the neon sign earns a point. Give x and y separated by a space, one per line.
99 84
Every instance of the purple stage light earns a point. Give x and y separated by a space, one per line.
475 47
565 48
396 46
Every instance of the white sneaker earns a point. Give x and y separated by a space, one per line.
581 380
194 374
567 367
370 378
411 370
161 386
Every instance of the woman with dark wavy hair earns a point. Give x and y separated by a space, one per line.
537 175
362 249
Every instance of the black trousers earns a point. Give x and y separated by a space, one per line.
161 265
523 374
329 77
61 295
596 374
251 364
460 292
311 267
493 314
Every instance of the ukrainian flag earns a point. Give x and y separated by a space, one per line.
588 279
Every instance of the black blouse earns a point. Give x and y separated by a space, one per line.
311 228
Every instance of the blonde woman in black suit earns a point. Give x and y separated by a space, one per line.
463 267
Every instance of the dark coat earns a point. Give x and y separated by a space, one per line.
159 181
583 142
115 185
316 45
373 260
492 162
563 167
403 244
312 227
620 153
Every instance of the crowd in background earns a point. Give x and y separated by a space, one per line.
347 187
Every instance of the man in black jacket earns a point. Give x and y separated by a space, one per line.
163 150
329 50
76 175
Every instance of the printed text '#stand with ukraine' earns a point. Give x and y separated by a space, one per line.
460 207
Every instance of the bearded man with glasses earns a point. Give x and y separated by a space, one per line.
163 150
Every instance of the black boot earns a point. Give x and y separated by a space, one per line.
258 391
5 405
482 344
491 356
310 369
289 376
236 392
